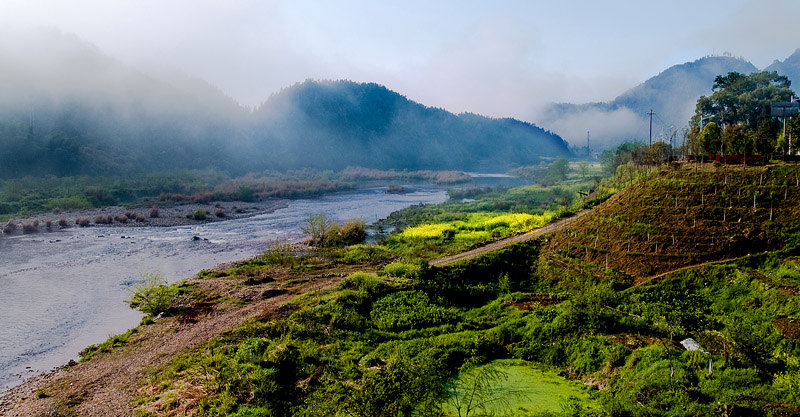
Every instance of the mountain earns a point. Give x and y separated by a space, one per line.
66 108
671 95
338 123
790 67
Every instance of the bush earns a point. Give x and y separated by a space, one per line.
200 214
10 227
152 296
408 310
246 194
363 281
403 269
154 212
82 221
30 227
279 252
352 232
361 253
62 222
219 212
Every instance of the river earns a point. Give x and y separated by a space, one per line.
64 290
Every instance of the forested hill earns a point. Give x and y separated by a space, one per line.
66 109
339 123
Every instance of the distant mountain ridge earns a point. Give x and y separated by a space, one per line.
367 124
790 67
672 95
67 109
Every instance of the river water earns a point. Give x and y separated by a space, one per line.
64 290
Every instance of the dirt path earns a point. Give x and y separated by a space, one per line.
106 386
533 234
641 281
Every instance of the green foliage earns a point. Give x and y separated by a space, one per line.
408 310
68 203
200 214
742 104
246 194
152 296
362 281
405 269
359 254
557 171
711 138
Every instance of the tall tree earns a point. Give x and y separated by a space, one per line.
711 138
745 99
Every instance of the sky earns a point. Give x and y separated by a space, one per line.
498 58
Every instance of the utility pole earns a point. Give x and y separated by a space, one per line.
651 126
588 152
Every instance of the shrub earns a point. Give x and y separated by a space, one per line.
352 232
48 223
279 252
403 269
363 281
219 212
154 212
408 310
10 227
152 296
82 221
62 222
246 194
200 214
121 218
317 227
363 253
30 227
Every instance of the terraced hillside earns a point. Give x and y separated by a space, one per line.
687 216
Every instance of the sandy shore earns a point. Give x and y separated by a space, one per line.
168 216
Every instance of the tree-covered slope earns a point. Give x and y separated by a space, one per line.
66 109
340 123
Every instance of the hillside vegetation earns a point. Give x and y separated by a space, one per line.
686 216
384 334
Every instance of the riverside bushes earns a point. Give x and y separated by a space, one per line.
152 296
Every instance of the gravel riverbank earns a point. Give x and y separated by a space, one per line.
118 216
